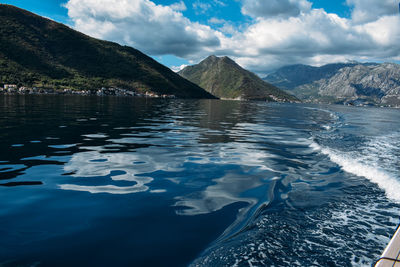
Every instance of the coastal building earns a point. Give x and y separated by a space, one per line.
10 86
24 90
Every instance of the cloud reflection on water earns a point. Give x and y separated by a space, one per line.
94 164
219 173
213 164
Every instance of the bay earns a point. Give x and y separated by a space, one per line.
154 182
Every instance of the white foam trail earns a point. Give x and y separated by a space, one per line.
364 164
327 127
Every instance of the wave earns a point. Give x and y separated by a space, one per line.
375 160
310 238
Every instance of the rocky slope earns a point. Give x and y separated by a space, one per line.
35 51
375 84
289 77
223 78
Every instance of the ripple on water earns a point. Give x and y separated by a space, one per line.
17 145
62 146
333 235
350 230
99 164
12 167
97 135
377 160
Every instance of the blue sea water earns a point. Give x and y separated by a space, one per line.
151 182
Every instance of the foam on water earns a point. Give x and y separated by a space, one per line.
348 229
247 182
376 161
279 239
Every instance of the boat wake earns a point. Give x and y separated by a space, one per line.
377 160
335 205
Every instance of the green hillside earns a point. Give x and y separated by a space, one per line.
223 78
35 51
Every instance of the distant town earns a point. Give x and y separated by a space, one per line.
13 89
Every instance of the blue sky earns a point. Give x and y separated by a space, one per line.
48 8
55 10
259 34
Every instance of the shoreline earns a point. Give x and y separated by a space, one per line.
93 92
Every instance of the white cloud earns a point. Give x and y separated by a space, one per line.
220 3
371 10
154 29
179 6
179 68
315 37
223 26
201 7
290 32
275 8
216 21
228 28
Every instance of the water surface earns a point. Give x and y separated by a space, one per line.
123 181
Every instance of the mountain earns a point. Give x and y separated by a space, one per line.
371 83
289 77
35 51
223 78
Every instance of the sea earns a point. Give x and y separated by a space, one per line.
118 181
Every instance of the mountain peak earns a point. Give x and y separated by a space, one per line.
210 60
228 60
214 58
224 78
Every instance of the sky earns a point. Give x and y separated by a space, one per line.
261 35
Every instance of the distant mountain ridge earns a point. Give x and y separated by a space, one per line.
291 76
35 51
224 78
353 83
